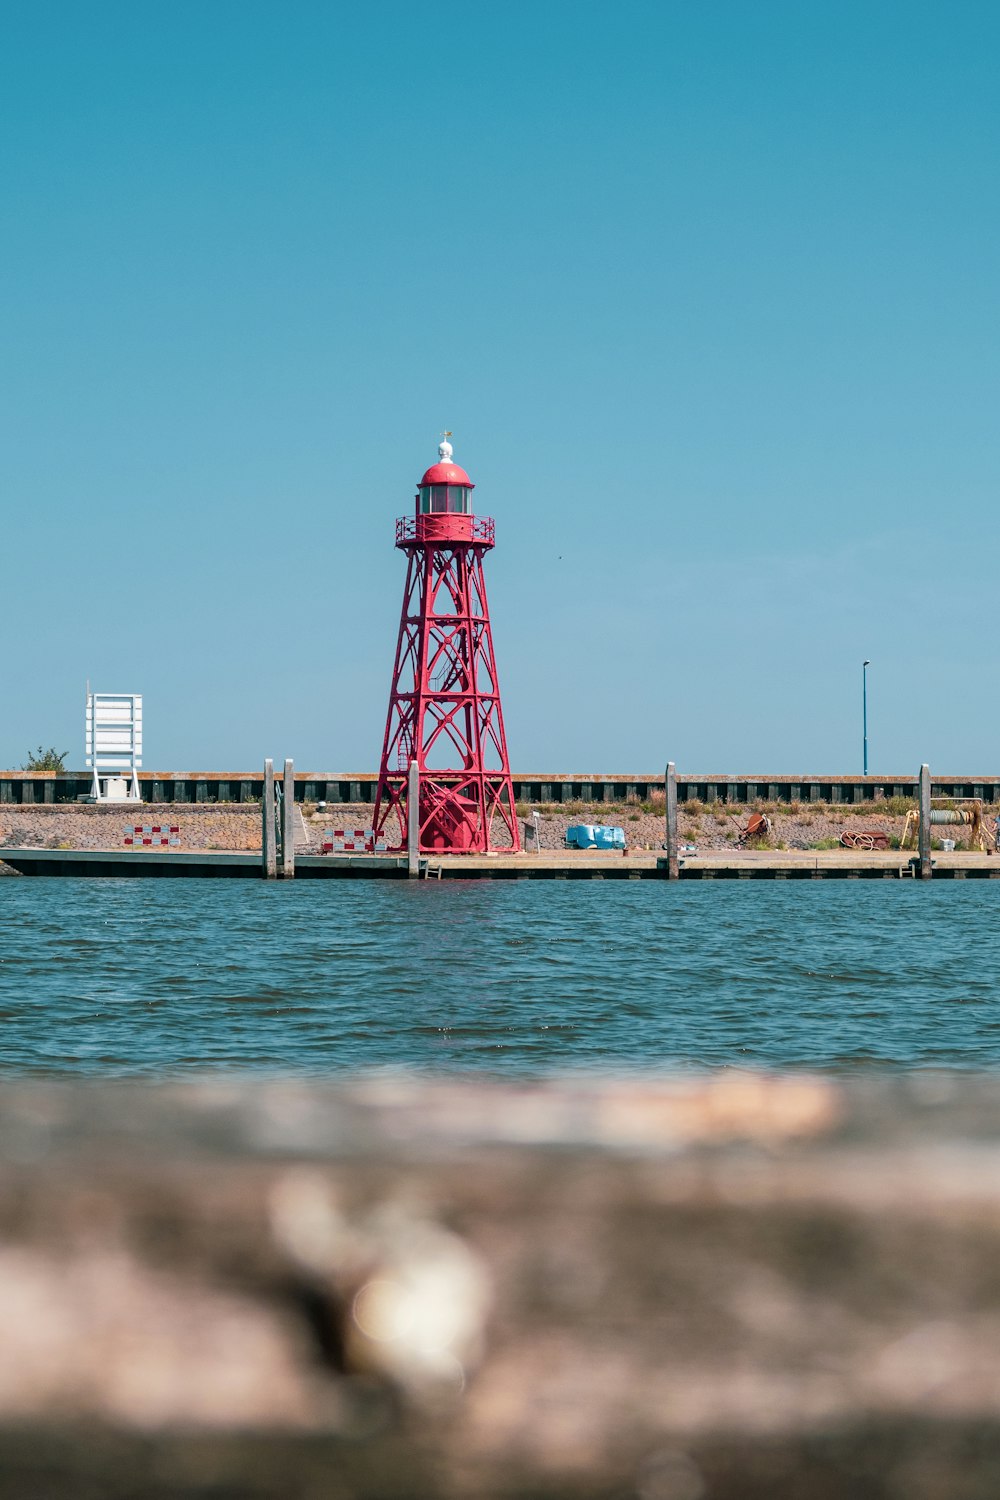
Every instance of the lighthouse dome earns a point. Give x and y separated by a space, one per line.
441 473
444 471
445 488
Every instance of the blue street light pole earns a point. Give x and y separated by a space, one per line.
864 708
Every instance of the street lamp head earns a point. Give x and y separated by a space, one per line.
866 663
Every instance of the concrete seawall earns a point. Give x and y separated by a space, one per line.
359 787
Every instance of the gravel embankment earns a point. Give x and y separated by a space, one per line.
208 826
714 828
70 826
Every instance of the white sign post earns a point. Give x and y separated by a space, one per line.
114 745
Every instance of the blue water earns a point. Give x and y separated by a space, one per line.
143 977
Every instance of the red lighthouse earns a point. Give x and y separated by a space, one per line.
444 705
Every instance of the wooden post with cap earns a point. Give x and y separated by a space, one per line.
670 781
924 836
288 822
413 821
268 841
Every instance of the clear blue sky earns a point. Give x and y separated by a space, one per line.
708 293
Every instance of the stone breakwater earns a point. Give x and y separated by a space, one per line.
233 826
713 828
220 827
70 826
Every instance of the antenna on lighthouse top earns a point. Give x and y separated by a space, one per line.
445 450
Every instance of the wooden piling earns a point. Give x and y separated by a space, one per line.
924 838
673 866
413 821
269 850
288 823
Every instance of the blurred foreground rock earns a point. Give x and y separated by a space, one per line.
717 1288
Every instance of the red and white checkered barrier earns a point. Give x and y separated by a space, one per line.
156 835
351 841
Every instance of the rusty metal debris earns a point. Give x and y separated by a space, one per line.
758 827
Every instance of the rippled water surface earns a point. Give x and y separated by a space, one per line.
166 976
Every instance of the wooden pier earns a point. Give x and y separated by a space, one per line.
743 864
835 864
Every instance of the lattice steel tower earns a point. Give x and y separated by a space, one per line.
444 706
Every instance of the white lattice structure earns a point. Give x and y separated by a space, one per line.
114 745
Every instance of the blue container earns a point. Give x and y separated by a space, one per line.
581 836
595 836
609 838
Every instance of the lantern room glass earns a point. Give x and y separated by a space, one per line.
450 499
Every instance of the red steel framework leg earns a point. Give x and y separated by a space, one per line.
444 704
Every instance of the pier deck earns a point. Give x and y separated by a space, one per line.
741 864
548 865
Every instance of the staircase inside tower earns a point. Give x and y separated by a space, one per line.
404 748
